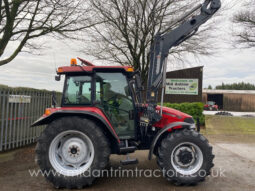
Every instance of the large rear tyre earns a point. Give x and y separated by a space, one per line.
71 151
185 157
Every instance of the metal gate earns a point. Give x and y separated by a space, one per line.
18 110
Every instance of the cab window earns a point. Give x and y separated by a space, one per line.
77 90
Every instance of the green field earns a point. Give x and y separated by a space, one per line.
230 125
225 128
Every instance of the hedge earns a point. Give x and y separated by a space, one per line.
194 109
24 89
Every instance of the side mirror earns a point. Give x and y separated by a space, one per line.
58 78
53 99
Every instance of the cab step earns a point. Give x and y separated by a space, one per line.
126 148
129 161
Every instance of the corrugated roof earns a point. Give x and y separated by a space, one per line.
185 69
228 91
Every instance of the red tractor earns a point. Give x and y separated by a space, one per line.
103 113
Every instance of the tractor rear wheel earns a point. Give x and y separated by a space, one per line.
185 157
71 152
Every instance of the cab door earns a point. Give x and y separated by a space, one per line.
112 95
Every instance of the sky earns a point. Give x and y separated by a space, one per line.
229 65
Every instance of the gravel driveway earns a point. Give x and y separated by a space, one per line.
234 170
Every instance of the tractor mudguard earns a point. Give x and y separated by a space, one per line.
61 113
162 131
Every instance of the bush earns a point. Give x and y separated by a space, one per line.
24 89
194 109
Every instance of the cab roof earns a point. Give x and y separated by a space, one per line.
89 67
80 69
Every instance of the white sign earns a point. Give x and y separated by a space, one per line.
19 99
182 86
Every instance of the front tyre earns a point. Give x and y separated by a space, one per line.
185 157
71 152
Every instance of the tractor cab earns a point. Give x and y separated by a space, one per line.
110 89
107 90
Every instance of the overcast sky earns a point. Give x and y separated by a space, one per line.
228 66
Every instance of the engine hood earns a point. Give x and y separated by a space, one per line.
173 112
170 115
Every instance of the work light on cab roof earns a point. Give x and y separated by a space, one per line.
73 62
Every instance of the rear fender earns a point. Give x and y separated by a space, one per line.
63 113
162 131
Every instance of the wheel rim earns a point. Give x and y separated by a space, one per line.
71 153
187 158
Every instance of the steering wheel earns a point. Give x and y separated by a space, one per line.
113 98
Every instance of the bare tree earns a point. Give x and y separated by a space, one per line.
128 27
246 20
24 20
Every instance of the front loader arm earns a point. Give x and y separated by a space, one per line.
167 39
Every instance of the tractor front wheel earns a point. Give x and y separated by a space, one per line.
185 157
71 152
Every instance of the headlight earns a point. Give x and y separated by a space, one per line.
191 121
193 126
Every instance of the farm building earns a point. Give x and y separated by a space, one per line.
231 100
